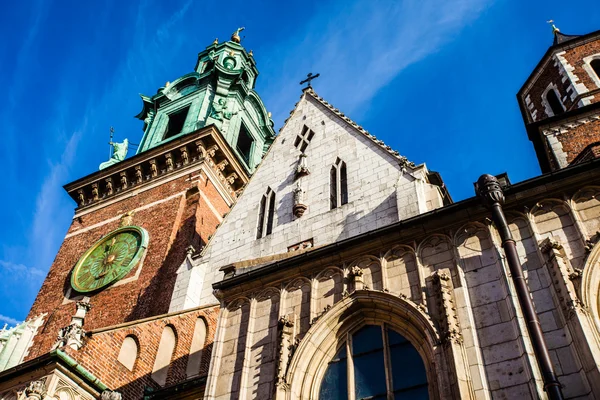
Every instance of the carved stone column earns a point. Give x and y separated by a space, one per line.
286 346
169 161
35 390
184 155
445 312
357 275
109 186
577 317
72 335
139 175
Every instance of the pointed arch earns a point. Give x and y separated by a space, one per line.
197 347
266 214
372 271
166 348
129 351
309 362
401 272
338 184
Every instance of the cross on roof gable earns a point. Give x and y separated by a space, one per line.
402 160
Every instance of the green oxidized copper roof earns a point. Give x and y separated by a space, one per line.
219 92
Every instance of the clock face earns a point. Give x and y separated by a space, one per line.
109 259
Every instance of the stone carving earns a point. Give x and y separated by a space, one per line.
235 36
119 153
72 335
591 242
95 194
563 276
169 161
184 155
222 165
212 150
124 183
299 206
127 219
139 176
110 395
153 168
231 178
109 186
302 168
357 274
81 197
442 285
200 149
35 390
287 345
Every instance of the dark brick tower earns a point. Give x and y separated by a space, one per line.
204 134
560 102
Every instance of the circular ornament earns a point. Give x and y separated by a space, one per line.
109 259
229 63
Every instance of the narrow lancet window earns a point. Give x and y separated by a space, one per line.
266 214
554 102
338 184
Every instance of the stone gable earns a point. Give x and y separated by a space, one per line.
382 188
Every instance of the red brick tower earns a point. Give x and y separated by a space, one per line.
560 102
139 219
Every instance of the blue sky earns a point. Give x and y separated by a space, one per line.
435 79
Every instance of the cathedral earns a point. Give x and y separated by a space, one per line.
225 261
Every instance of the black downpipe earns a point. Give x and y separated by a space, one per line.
489 191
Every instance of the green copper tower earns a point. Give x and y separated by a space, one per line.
219 92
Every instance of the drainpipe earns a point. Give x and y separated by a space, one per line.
489 191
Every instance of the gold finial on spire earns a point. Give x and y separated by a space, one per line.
251 54
216 42
554 28
235 37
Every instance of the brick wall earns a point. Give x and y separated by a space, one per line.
101 350
175 214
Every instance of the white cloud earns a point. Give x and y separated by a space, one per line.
9 320
359 50
19 270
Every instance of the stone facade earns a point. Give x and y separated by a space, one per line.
383 187
334 236
441 281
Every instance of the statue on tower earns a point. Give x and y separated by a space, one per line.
119 151
235 37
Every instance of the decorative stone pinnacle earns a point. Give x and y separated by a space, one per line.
489 191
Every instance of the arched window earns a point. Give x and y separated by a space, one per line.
128 353
375 363
338 184
266 214
554 103
164 355
198 341
595 64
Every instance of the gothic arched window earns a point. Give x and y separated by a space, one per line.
375 363
128 353
198 342
166 347
266 214
595 64
338 184
554 102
